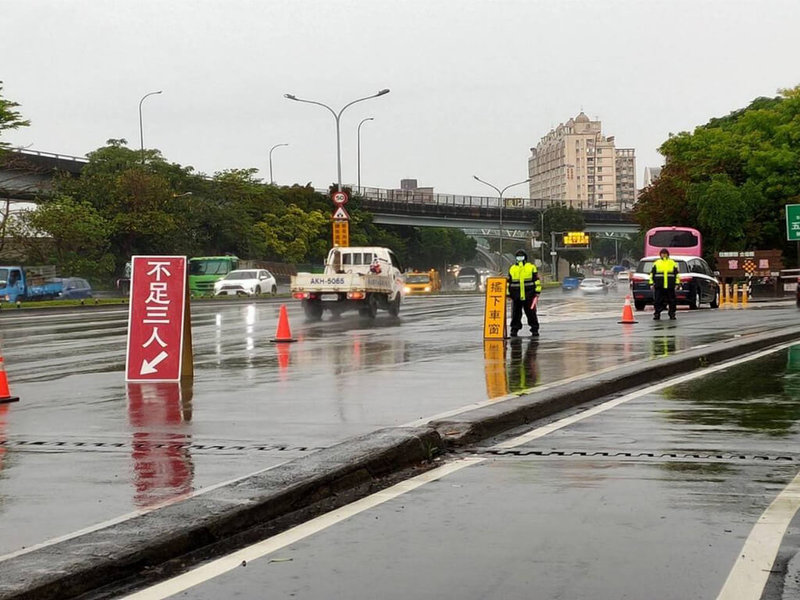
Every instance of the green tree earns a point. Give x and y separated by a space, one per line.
294 235
69 233
731 177
10 118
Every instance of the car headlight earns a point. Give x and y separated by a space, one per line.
406 290
427 288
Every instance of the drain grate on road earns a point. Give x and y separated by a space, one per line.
95 445
658 455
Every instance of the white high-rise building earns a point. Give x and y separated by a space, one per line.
577 165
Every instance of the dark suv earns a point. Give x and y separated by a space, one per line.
698 285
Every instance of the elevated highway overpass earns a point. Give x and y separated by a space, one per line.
518 216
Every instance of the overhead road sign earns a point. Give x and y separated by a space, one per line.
575 239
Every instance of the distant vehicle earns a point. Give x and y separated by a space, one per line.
29 283
624 276
205 271
593 285
419 282
684 241
250 282
75 288
570 283
469 279
366 278
697 283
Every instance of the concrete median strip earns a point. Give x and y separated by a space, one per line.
86 562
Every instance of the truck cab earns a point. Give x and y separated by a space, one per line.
205 271
366 278
422 282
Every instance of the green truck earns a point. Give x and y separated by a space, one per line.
204 271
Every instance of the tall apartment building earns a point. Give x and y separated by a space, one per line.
577 165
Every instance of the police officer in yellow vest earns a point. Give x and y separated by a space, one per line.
524 287
664 279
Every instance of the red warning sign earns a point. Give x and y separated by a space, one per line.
157 321
340 214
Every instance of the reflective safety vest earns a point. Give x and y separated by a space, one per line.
666 269
522 278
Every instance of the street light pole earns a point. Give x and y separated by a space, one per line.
500 198
359 150
271 180
141 128
337 117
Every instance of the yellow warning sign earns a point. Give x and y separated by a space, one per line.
494 317
341 233
494 355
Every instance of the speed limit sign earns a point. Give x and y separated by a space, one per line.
339 198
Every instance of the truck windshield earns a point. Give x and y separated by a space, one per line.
211 266
418 279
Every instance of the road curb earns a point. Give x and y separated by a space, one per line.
89 561
487 421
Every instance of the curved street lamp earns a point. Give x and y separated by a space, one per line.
500 199
359 150
271 180
141 129
337 117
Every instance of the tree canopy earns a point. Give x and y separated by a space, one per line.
124 203
10 118
732 177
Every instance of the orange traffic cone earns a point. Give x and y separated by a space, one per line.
627 312
5 393
283 334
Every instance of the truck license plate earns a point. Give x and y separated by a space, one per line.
330 297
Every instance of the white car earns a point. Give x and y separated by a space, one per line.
593 285
250 282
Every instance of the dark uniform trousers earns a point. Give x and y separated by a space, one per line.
663 298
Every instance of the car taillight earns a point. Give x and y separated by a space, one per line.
301 295
356 295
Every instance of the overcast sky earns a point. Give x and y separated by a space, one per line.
474 83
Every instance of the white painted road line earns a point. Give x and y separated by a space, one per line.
749 575
229 562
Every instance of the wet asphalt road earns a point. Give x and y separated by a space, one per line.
82 447
653 498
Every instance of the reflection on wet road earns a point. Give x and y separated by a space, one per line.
82 447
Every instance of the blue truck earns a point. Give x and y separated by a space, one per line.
29 283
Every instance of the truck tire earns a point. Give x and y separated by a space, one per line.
370 309
394 305
639 305
312 309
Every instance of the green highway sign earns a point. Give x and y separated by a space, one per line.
793 222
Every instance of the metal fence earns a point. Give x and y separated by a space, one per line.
428 198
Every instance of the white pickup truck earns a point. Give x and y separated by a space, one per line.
366 278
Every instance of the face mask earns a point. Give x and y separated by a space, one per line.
520 259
